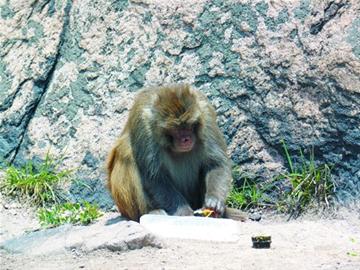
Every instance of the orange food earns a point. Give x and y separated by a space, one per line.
206 212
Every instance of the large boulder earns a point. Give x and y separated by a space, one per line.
274 70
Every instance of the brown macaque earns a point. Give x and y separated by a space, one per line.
171 155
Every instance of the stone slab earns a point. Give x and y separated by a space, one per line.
196 228
109 233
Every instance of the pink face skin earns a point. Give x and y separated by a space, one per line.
183 140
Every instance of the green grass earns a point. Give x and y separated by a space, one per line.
74 213
36 183
310 184
244 197
249 195
40 184
307 184
352 253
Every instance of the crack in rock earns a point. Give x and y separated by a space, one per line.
43 83
329 13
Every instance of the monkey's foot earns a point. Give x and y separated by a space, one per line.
184 210
158 212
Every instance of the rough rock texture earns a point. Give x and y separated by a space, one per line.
109 234
274 70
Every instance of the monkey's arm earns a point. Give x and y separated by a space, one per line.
218 182
217 171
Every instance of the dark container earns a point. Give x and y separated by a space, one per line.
261 241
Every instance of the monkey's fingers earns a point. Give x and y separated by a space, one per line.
215 204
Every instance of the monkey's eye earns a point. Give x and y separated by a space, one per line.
196 125
169 138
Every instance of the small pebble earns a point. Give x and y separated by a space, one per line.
255 216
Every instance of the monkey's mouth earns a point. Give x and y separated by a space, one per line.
185 144
183 140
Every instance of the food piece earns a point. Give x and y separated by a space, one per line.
206 212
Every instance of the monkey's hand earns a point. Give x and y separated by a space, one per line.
184 210
215 204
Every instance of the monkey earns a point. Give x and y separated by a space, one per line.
171 155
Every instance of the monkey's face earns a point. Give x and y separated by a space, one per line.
182 139
177 119
178 135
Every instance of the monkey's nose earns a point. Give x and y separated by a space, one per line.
185 139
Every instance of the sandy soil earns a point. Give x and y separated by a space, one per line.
307 243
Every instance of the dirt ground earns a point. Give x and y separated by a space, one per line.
311 242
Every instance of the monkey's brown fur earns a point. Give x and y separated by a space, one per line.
151 168
124 180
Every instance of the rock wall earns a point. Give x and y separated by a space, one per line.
274 70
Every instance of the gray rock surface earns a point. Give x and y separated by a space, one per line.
110 233
274 70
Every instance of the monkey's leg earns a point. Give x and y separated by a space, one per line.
217 188
158 212
163 195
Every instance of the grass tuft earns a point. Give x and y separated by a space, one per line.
245 197
309 184
37 183
248 195
40 185
74 213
